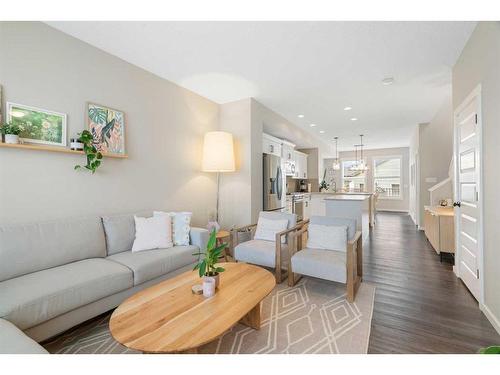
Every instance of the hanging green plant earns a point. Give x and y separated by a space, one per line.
93 156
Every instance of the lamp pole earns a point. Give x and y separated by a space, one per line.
217 205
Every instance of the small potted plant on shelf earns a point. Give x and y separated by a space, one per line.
207 260
11 132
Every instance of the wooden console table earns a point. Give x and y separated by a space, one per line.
440 228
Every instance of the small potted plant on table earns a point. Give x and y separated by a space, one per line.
11 132
207 260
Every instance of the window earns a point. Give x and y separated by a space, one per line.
387 177
352 180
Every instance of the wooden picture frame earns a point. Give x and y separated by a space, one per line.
108 127
42 126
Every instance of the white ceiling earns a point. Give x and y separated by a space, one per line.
310 68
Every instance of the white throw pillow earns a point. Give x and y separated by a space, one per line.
181 226
267 229
152 233
327 237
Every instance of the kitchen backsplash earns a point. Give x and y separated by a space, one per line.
293 185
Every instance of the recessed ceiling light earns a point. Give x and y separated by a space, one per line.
300 116
347 108
354 119
388 81
322 131
313 125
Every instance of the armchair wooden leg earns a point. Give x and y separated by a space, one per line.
350 292
359 258
293 278
278 275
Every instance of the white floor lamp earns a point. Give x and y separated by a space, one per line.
218 156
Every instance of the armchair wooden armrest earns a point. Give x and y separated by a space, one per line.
354 265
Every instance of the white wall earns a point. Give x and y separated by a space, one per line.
369 156
236 187
435 151
431 149
414 189
43 67
479 63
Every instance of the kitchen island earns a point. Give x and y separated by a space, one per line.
352 206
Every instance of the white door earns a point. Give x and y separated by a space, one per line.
468 191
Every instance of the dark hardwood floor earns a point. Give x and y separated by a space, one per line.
420 305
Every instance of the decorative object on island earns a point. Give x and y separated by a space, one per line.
218 156
323 185
39 125
336 161
107 126
93 156
11 132
207 261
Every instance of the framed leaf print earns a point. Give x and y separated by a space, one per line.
107 126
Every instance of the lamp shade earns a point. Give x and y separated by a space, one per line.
218 152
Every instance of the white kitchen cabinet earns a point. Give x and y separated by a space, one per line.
288 158
271 145
287 150
317 206
314 163
300 165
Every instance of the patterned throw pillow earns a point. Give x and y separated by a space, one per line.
181 226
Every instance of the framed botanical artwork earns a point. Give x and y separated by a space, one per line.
107 126
39 125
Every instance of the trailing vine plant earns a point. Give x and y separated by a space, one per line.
93 156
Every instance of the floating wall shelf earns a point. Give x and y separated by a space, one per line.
56 149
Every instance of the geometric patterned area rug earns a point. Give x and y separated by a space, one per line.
311 317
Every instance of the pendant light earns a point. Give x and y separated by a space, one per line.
360 163
355 167
362 166
336 161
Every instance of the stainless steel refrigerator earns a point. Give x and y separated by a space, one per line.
274 183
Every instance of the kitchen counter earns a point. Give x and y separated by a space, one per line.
352 206
348 197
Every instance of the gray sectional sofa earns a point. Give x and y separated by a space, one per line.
57 274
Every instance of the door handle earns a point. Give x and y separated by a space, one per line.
457 204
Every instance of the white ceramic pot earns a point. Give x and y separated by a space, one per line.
11 138
208 287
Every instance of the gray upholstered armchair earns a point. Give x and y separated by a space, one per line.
269 241
334 252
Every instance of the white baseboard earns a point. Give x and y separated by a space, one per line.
491 317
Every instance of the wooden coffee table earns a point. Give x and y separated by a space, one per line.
169 318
